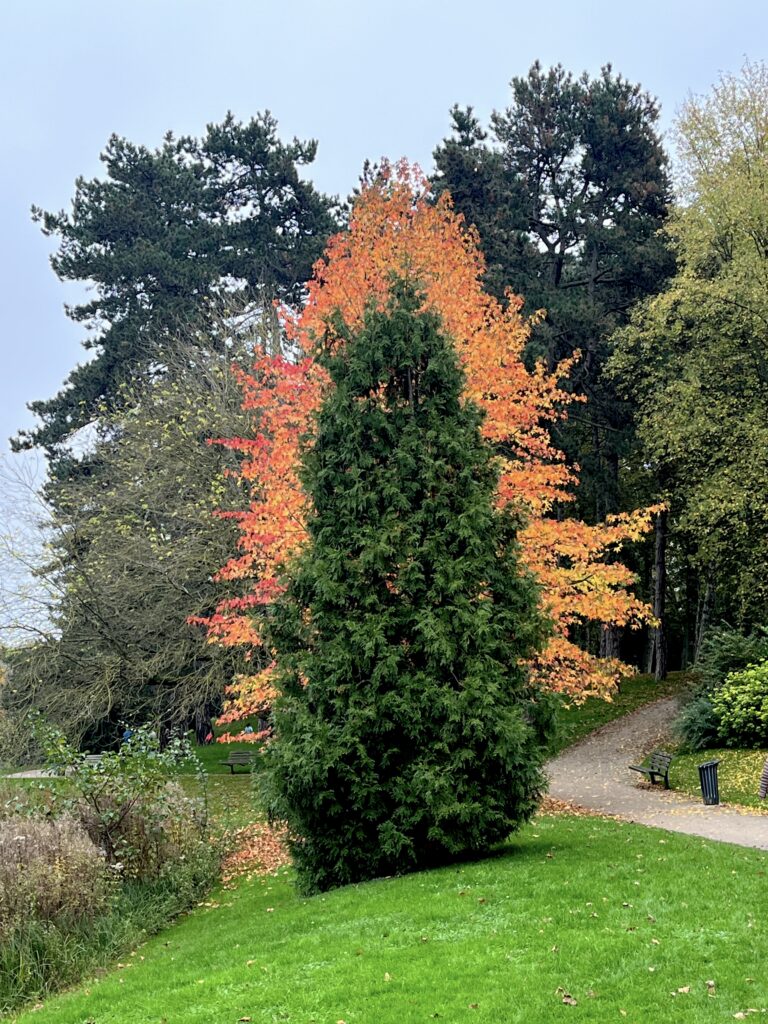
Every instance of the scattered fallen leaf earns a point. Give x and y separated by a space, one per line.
550 806
259 849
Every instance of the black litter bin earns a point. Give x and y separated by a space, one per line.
708 779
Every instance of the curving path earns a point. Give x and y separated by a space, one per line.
594 775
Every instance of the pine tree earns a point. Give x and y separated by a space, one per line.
568 197
161 237
407 730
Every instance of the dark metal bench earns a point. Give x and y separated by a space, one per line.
657 767
239 757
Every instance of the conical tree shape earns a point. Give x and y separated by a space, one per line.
407 731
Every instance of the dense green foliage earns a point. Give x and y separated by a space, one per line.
723 652
573 905
568 202
693 358
161 237
417 736
697 725
134 548
741 707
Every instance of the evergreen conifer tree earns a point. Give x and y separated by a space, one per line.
407 731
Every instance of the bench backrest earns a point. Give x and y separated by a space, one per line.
659 762
93 758
240 757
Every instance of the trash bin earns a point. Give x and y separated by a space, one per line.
708 779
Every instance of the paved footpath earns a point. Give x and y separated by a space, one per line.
594 774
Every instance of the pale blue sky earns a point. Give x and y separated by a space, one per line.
365 79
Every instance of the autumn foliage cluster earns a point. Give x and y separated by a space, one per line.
397 229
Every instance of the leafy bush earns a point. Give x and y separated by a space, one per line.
741 706
126 803
50 871
725 650
697 724
92 863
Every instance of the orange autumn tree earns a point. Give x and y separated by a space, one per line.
396 229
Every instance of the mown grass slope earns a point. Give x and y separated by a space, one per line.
630 924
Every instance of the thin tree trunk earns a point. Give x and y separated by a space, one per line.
660 596
705 609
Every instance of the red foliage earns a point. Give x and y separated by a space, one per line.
395 228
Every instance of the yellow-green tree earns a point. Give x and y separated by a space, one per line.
695 359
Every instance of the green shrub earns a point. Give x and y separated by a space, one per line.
125 802
50 871
92 863
697 724
741 706
726 650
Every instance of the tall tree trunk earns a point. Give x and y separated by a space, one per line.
705 610
660 596
610 641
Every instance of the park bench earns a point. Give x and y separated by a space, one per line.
657 767
239 757
93 759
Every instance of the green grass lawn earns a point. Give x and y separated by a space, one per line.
738 774
231 801
632 923
213 754
579 720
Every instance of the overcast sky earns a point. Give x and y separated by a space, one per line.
365 79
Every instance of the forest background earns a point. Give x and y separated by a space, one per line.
604 254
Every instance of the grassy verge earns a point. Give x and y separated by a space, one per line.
577 721
38 959
618 917
45 958
738 774
212 754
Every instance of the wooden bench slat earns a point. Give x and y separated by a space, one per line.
238 757
657 767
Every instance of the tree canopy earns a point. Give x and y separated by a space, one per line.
693 358
395 227
406 728
161 237
133 548
568 199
